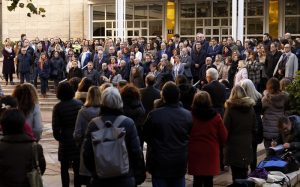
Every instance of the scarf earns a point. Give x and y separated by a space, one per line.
9 50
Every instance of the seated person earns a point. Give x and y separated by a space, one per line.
289 137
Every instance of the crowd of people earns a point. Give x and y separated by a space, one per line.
199 106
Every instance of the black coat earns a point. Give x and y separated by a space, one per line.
136 159
198 57
166 132
75 72
63 125
57 67
16 160
148 95
271 62
24 63
187 93
217 92
8 62
240 121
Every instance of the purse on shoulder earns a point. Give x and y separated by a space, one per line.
34 176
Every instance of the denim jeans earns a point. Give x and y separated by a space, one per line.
168 182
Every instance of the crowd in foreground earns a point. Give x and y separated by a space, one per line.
200 107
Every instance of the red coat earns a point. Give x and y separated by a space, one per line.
204 151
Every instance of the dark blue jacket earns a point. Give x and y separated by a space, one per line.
45 72
166 131
136 160
24 63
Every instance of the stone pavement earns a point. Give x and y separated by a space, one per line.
51 177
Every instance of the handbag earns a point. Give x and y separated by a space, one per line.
34 176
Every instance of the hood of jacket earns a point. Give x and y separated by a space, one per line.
243 104
278 100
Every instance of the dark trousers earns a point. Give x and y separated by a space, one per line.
64 172
25 76
254 153
239 173
10 77
44 85
203 181
168 182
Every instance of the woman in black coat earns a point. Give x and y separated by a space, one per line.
16 150
240 121
8 63
133 108
57 67
63 125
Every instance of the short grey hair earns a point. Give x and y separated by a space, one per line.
111 98
213 73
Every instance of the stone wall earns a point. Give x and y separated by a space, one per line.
64 18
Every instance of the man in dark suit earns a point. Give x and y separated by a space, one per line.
216 90
202 74
149 94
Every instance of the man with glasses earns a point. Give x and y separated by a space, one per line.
23 63
287 65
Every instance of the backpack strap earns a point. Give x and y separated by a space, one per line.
99 122
119 120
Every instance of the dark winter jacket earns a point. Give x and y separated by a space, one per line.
45 71
75 72
240 121
198 57
187 93
57 66
92 75
166 132
63 125
24 63
8 62
148 95
136 160
217 92
273 106
16 154
271 62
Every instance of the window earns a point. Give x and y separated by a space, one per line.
155 11
188 11
99 12
292 25
220 8
99 29
142 19
255 26
140 12
187 27
203 9
110 12
155 28
292 7
255 8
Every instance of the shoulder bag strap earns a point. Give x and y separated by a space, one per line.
35 159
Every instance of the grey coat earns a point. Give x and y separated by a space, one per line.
273 106
291 66
187 62
85 115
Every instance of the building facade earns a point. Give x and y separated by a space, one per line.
96 19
